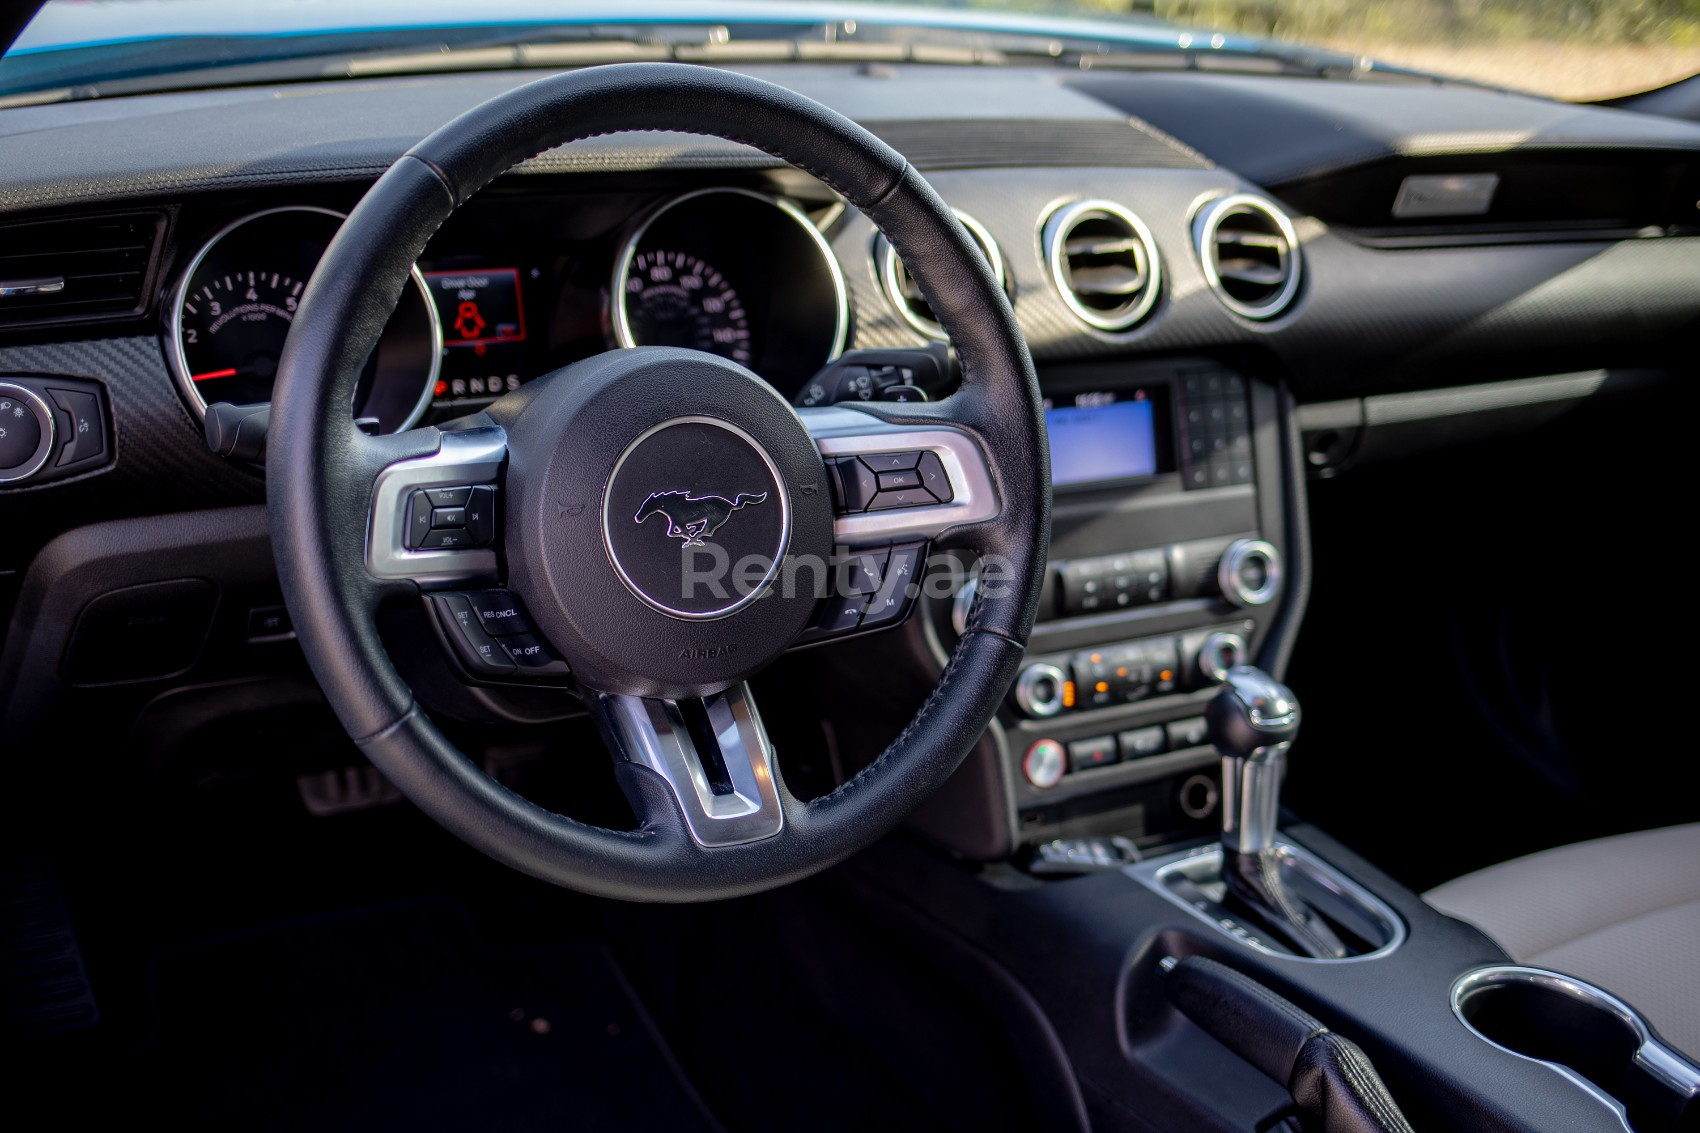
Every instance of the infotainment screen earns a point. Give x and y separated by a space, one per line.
1104 436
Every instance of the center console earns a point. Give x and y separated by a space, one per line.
1122 817
1170 563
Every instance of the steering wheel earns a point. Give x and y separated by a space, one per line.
584 458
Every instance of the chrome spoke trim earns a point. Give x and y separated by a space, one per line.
473 456
742 804
838 431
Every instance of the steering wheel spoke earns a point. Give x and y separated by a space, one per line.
900 481
434 517
714 755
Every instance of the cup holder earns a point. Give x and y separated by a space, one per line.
1588 1035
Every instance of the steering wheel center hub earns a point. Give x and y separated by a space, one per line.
695 519
669 523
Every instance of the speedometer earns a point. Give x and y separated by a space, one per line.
736 273
675 299
233 307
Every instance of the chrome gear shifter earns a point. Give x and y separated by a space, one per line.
1252 723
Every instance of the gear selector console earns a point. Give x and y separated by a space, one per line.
1266 893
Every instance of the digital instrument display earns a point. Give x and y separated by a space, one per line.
1104 436
482 311
478 308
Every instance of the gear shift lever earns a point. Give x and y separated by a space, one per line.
1252 723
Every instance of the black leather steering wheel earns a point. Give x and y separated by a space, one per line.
573 448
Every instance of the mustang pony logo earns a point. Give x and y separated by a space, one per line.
694 518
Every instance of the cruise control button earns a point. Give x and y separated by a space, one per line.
533 655
447 497
448 517
933 477
446 539
892 461
499 612
481 515
477 650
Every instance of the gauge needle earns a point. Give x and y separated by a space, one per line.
211 374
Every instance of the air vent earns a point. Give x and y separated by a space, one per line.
903 292
78 268
1250 254
1104 263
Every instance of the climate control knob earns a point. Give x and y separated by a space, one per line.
1249 573
1041 690
1219 653
26 433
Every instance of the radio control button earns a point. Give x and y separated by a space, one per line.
1140 742
446 539
448 497
1099 751
1219 653
1249 573
1042 690
1187 733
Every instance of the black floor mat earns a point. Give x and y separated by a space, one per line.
401 1018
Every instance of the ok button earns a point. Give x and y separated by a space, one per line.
895 481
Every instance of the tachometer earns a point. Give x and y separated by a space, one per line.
232 309
233 328
675 299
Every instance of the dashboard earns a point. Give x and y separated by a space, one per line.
1212 315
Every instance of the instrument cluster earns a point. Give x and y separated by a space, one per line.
516 286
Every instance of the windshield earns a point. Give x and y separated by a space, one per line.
1570 49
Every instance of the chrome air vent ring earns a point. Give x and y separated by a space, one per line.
1104 263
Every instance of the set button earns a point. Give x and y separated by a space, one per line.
491 634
